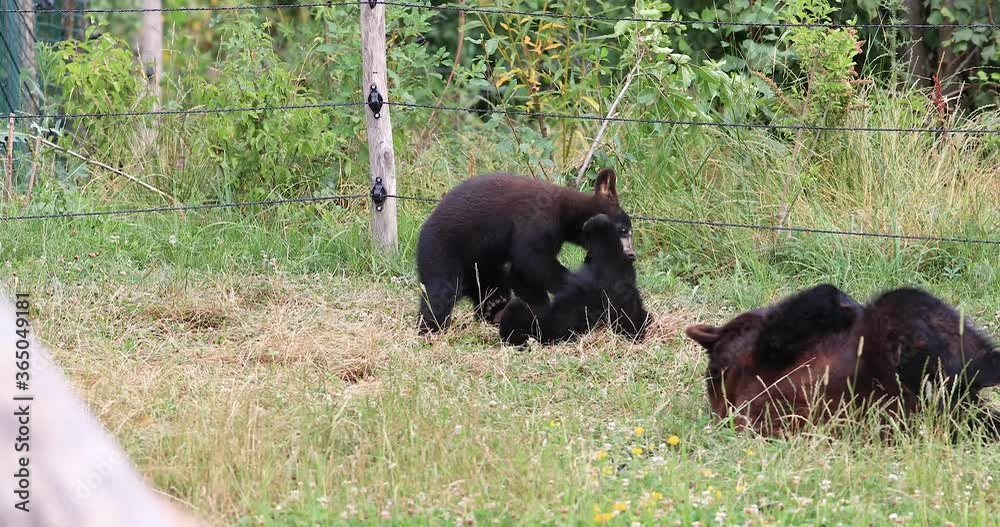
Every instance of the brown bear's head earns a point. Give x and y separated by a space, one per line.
771 362
731 355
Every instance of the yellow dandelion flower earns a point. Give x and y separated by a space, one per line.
637 451
639 430
608 470
673 440
750 452
553 423
603 517
656 496
620 507
601 455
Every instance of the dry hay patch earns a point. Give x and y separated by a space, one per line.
668 324
350 338
190 310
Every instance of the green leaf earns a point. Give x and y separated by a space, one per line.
646 97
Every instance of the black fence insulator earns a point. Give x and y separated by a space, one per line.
372 3
375 101
379 194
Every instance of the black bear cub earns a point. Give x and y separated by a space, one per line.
602 292
818 351
496 220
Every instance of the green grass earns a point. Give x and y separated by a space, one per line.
267 399
262 365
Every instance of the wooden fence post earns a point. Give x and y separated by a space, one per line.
11 181
381 158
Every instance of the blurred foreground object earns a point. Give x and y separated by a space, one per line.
77 474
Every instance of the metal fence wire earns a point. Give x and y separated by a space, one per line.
53 22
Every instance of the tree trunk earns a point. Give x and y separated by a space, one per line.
916 53
151 45
29 66
151 54
69 19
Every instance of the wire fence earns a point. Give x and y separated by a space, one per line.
501 111
180 208
516 113
192 111
421 199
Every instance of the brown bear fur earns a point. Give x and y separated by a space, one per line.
818 352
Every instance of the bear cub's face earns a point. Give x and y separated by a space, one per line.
730 346
609 236
765 343
605 189
622 226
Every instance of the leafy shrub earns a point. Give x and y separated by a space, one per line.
96 75
302 60
826 58
265 152
578 68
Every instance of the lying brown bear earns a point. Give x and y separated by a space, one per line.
817 352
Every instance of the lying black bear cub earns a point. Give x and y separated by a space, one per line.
495 220
602 292
819 351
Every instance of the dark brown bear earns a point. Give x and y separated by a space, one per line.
602 292
495 220
818 352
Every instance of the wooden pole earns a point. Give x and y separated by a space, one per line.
151 54
381 160
9 188
34 171
151 46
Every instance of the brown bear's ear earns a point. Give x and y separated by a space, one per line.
605 186
703 334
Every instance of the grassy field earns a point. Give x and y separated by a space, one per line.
262 365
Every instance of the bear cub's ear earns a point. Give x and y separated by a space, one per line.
704 335
596 223
605 185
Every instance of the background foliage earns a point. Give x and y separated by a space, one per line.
687 71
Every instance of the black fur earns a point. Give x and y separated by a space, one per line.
494 220
794 323
923 336
602 291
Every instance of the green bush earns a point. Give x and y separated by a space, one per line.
266 152
98 74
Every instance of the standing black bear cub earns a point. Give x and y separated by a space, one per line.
602 292
489 221
806 357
